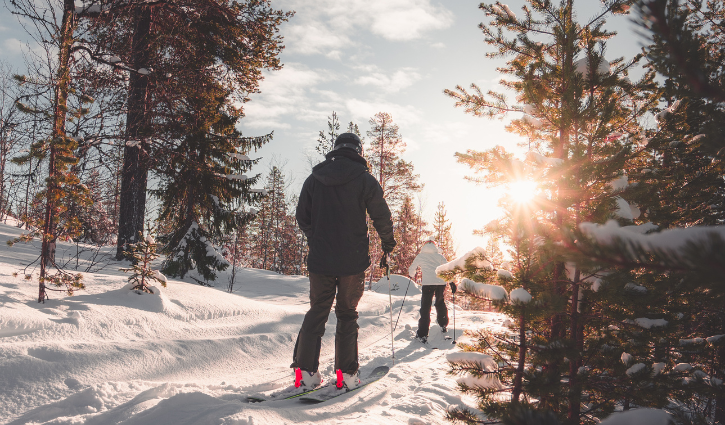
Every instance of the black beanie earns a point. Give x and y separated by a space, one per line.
349 140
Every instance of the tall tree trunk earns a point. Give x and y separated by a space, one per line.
3 160
574 390
719 365
134 174
60 107
519 376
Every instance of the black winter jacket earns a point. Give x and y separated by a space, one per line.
331 213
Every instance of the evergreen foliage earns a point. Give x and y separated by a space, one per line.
669 316
229 44
63 188
203 179
141 254
410 234
582 117
442 232
278 244
680 183
326 141
394 174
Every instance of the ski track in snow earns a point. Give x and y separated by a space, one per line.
190 355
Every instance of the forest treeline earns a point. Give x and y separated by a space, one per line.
125 124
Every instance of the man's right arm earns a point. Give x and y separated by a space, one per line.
304 208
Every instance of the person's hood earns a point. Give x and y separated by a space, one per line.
429 248
340 167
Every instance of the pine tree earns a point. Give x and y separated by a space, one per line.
228 43
141 254
203 179
666 326
62 186
408 235
273 230
582 118
680 184
686 44
442 232
394 174
326 141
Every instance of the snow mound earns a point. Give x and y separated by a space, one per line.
398 285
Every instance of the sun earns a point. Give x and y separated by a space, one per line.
522 191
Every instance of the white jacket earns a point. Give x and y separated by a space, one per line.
428 260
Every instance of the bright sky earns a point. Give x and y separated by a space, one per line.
360 57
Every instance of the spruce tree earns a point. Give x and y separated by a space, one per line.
667 328
277 242
582 117
142 254
442 232
203 180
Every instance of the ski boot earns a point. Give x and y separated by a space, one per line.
347 381
305 380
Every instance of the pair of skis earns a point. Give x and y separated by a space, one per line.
324 392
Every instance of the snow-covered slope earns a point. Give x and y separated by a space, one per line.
190 354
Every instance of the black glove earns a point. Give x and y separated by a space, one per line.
453 287
384 261
388 247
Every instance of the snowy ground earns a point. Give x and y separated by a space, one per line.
189 355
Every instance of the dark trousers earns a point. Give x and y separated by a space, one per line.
322 293
425 303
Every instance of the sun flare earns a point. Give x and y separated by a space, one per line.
522 191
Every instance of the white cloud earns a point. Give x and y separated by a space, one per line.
13 45
283 94
315 38
403 115
438 45
329 27
406 19
399 80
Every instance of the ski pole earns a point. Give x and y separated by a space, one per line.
453 290
384 263
401 305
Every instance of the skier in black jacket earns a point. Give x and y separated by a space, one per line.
331 213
